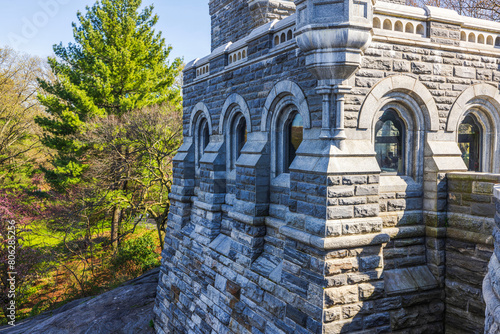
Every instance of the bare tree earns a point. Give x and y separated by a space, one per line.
136 149
18 107
483 9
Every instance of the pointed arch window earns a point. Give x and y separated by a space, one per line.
469 141
390 143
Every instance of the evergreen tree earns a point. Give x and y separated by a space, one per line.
118 63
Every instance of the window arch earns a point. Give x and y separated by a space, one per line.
470 142
376 23
284 98
202 139
294 136
387 25
290 134
409 28
421 30
237 139
390 142
482 103
397 137
398 26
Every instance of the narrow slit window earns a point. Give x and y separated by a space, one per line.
295 135
241 136
469 141
389 143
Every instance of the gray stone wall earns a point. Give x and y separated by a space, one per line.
469 246
234 19
335 245
491 291
231 21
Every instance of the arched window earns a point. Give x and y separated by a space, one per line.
398 26
294 135
421 30
238 138
469 141
387 25
390 143
202 140
289 35
376 23
409 28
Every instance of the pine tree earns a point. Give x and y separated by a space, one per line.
118 63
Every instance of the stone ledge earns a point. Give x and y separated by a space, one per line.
336 242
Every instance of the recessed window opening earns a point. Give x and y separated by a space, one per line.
409 28
204 138
421 30
469 141
389 143
398 26
239 134
293 138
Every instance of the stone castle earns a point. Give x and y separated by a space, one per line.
338 173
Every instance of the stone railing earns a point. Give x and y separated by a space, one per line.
469 246
440 25
491 285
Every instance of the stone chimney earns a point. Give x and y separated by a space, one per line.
235 19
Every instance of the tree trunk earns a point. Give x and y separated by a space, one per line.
115 227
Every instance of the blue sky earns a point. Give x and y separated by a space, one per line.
33 26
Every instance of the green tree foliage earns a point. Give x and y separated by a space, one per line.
118 63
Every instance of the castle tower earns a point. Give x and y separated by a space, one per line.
234 19
316 190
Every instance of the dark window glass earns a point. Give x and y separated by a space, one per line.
389 143
295 135
241 136
206 137
469 141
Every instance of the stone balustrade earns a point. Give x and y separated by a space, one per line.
440 25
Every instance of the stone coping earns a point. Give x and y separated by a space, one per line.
384 8
474 176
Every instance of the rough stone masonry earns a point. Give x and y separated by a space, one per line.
337 172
